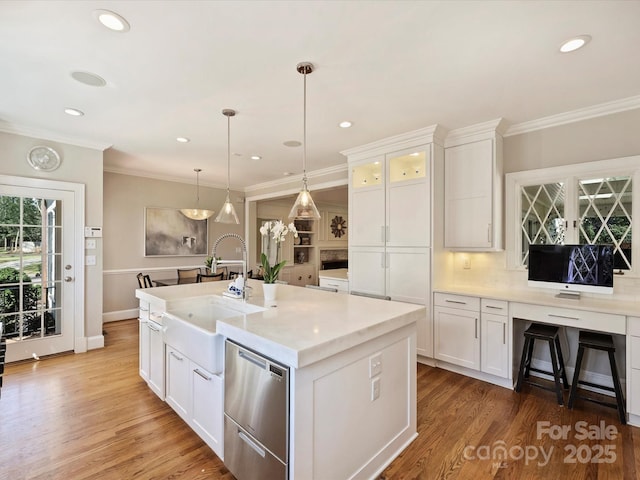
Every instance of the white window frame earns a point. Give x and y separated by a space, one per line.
569 175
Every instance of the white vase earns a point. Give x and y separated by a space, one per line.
270 291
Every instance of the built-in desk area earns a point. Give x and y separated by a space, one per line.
479 333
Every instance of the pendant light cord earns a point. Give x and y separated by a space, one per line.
228 153
304 132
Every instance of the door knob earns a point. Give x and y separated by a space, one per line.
68 279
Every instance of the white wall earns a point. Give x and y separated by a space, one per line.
606 137
79 165
125 199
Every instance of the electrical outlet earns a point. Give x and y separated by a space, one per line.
90 244
90 260
375 365
375 389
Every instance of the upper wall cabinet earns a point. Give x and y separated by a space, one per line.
473 188
390 190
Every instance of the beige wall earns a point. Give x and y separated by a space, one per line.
607 137
79 165
125 199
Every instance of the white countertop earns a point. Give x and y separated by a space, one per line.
338 273
535 297
305 327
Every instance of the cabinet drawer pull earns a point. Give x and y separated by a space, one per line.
459 302
332 285
151 327
476 328
563 316
504 333
208 379
177 357
144 309
494 307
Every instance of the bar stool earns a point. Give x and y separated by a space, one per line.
604 342
548 333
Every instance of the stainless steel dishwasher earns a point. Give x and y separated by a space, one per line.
256 415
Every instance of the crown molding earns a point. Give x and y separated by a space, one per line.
432 134
479 131
296 178
165 178
581 114
52 137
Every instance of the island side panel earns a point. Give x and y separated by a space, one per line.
332 412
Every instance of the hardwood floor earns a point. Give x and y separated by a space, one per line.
90 416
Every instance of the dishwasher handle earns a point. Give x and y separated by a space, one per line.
252 359
245 438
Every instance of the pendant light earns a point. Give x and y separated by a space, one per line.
197 213
228 213
304 208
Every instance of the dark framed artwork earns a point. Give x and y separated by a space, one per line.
168 233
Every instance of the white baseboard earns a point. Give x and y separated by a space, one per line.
119 315
585 375
94 342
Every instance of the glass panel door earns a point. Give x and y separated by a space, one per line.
543 216
33 283
605 215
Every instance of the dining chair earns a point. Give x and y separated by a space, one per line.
144 281
184 273
213 277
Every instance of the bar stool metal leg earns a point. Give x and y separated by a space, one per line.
565 382
618 389
523 363
576 377
556 371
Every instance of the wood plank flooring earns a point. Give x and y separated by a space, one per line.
90 416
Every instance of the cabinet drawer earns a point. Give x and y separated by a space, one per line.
603 322
495 307
633 326
143 313
341 285
462 302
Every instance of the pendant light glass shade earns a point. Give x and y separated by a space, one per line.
197 213
228 213
304 207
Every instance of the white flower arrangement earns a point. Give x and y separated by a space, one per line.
277 230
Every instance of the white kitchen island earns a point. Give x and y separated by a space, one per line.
352 360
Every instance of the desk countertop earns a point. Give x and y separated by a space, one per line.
306 326
590 303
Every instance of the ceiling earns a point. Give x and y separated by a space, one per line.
387 66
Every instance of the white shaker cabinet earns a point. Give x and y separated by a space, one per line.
496 338
151 345
197 396
473 188
390 212
457 330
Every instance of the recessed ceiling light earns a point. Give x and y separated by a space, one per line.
112 20
345 124
292 143
74 112
256 157
89 78
575 43
414 154
182 140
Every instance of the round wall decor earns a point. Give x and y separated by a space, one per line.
44 159
338 226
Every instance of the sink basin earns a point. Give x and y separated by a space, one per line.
190 327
